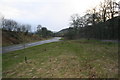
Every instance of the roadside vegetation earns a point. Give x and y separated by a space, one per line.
100 22
81 53
13 38
14 33
65 59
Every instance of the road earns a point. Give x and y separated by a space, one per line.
21 46
110 41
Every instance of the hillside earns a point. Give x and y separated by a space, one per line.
62 32
12 37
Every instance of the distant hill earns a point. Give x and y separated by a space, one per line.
62 32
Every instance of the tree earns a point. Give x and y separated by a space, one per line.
9 24
44 32
71 33
28 27
23 29
1 20
112 11
39 28
76 22
108 9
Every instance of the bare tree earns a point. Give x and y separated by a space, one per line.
112 8
39 27
28 27
9 24
103 10
1 20
108 9
119 8
93 16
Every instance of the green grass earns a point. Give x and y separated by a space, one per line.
62 38
65 59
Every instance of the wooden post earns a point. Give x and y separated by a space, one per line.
25 59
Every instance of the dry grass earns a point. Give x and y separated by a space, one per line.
68 59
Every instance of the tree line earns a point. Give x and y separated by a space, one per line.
100 22
13 26
43 32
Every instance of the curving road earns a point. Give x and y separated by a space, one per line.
21 46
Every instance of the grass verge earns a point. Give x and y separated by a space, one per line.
65 59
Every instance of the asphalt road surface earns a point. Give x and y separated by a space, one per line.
21 46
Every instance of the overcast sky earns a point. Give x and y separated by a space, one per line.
53 14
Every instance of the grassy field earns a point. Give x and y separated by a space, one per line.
65 59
